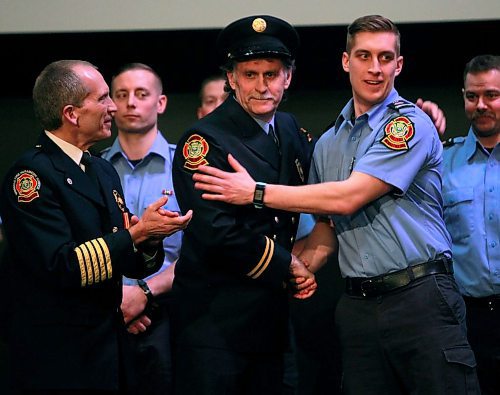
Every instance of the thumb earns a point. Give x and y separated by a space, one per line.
159 203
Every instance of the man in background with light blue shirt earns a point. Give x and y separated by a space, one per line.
143 158
471 194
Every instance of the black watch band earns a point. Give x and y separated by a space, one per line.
258 195
145 288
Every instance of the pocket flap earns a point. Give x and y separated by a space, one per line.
461 355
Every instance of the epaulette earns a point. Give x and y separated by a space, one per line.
452 141
399 104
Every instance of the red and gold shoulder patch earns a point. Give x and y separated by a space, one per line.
398 131
195 150
26 185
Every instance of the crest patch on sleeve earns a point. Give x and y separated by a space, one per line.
195 150
26 185
398 131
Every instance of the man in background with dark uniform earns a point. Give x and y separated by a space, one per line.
231 280
70 238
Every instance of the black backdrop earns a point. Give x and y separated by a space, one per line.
435 55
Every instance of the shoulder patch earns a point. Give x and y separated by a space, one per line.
194 151
398 131
26 185
398 104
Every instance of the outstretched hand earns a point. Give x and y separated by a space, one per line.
235 188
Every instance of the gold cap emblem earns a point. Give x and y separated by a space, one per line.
259 25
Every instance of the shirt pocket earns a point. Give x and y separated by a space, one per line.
459 212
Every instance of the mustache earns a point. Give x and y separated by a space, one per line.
478 114
258 97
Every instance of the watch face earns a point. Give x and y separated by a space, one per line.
258 195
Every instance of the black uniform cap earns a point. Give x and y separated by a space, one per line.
257 36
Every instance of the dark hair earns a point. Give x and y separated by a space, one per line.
138 66
374 24
288 63
482 63
208 80
57 86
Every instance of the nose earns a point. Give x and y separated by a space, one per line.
374 66
131 101
111 106
260 85
481 104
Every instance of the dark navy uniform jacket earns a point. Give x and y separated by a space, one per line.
230 278
66 252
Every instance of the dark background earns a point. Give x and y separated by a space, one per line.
435 55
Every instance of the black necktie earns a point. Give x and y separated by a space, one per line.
272 134
87 161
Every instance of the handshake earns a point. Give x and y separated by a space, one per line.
155 224
303 280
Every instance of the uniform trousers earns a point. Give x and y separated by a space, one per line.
152 353
210 371
408 341
483 325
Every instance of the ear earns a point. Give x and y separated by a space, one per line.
231 79
399 65
70 114
288 76
345 62
162 104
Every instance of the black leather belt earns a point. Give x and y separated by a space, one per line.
490 302
379 285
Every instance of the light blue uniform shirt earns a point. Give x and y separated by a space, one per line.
405 227
145 183
471 194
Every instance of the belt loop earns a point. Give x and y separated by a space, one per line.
409 270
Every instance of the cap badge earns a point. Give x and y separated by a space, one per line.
195 150
259 25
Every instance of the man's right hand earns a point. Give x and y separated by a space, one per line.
303 281
157 223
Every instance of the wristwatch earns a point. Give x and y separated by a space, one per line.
147 291
258 195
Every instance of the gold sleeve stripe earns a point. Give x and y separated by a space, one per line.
256 268
83 273
94 261
266 263
107 256
88 263
264 260
100 256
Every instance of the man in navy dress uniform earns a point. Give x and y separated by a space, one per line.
70 238
231 280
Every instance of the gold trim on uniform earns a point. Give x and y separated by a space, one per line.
259 25
397 132
94 260
194 151
264 260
